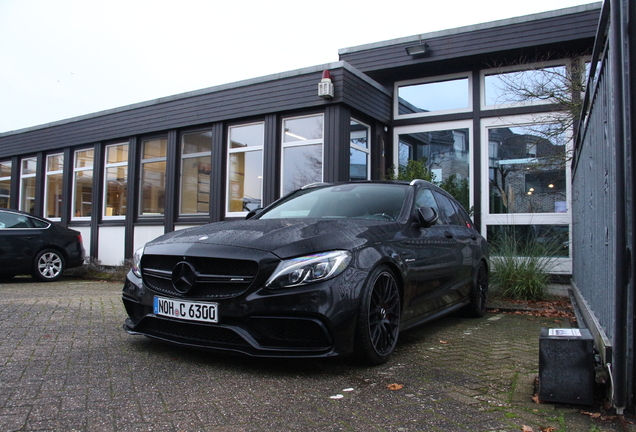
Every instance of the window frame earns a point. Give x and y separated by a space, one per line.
488 218
230 151
142 162
301 143
366 150
105 190
441 126
7 178
430 80
59 172
567 63
184 156
24 176
75 171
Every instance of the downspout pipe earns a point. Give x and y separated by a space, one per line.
622 263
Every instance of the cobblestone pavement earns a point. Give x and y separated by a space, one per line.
67 365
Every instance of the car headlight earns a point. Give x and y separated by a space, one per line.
136 261
309 269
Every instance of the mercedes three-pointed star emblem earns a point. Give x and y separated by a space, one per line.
184 277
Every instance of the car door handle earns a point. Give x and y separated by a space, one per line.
448 234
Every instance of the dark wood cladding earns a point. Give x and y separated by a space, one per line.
556 30
273 96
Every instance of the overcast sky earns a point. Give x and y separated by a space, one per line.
65 58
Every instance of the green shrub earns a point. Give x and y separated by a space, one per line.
520 268
415 169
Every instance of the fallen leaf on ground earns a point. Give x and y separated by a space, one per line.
394 387
548 429
443 342
592 415
525 428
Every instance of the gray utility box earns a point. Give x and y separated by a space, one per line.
566 366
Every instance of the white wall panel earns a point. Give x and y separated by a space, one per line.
110 246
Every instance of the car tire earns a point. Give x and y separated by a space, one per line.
48 266
478 293
378 323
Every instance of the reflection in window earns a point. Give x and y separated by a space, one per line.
302 152
359 151
434 96
526 171
27 184
53 187
446 154
116 180
5 184
527 86
245 167
83 183
196 150
546 240
153 176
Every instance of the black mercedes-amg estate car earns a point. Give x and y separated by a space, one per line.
330 269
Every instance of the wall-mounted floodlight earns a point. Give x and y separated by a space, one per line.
417 49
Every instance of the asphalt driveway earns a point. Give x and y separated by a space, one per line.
67 365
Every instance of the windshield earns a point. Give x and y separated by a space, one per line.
359 201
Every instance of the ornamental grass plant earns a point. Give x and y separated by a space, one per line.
520 268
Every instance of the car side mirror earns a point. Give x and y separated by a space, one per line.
253 213
426 216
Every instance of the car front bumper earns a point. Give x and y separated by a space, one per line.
317 320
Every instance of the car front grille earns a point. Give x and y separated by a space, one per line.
216 278
291 332
187 332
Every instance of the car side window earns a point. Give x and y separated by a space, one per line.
425 198
38 223
10 220
448 210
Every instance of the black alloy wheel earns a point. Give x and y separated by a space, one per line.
48 266
478 293
379 318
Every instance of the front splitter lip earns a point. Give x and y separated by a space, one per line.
253 351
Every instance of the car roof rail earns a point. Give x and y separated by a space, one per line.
418 181
311 185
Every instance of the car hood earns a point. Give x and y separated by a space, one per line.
284 237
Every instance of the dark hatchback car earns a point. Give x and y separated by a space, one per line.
37 246
327 270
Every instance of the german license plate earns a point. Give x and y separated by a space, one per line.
185 310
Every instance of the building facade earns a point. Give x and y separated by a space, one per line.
124 176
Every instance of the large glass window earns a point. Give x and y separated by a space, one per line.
444 152
527 170
245 167
153 176
53 187
359 151
196 149
116 180
5 184
553 240
523 87
416 98
28 172
83 183
302 151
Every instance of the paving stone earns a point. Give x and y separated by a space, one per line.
67 365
